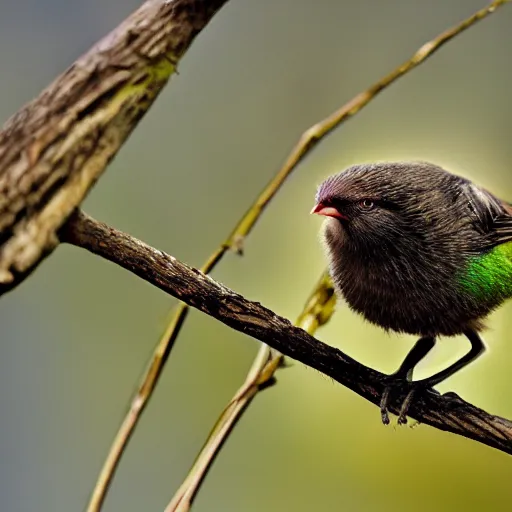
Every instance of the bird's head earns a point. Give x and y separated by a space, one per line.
378 204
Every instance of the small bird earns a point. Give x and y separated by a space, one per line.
417 250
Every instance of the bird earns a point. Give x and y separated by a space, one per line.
416 249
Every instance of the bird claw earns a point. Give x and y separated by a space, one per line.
384 401
402 416
400 384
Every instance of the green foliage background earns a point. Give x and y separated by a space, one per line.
77 335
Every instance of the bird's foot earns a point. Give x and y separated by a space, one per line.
399 384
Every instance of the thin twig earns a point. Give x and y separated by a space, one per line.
235 240
446 412
317 311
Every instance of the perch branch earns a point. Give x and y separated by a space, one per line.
317 311
446 412
56 147
235 240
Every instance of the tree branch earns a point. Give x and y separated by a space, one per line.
235 240
445 412
55 148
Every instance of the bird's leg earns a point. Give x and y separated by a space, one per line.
421 348
477 349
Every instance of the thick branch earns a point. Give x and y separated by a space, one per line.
56 147
445 412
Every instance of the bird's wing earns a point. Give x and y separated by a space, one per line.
502 228
492 217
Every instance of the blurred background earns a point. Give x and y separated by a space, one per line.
78 334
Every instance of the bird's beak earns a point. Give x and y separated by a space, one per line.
327 211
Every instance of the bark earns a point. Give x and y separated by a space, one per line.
56 147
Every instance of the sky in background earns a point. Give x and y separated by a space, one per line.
77 335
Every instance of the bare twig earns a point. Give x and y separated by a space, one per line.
235 241
56 147
446 412
141 398
317 311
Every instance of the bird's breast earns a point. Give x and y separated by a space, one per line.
404 296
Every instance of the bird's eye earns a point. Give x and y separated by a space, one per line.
367 204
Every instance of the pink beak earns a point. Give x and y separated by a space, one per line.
327 211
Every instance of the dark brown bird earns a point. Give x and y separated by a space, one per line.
418 250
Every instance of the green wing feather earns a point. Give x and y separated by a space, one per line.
488 274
